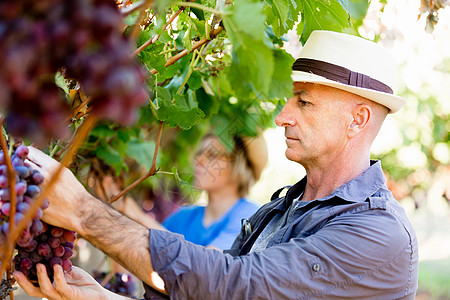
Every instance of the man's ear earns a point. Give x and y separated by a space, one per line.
361 116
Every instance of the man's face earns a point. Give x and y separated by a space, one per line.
316 120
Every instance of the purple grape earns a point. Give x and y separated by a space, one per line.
36 227
22 151
37 177
67 253
23 207
53 242
26 264
32 245
33 191
56 231
22 171
69 236
55 261
3 182
21 188
67 265
44 249
58 251
5 208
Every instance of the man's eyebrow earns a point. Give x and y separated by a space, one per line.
300 93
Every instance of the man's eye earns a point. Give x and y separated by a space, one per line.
303 103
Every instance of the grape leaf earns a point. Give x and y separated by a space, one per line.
281 85
251 68
322 15
252 60
277 12
141 151
110 156
103 131
179 113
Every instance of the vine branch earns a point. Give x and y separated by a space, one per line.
156 37
8 248
183 53
79 108
151 172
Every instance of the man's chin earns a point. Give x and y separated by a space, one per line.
292 155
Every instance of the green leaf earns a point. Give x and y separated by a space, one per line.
163 93
179 114
277 12
208 3
103 131
110 156
322 15
251 68
247 20
165 37
61 82
200 26
195 81
187 38
151 57
281 85
141 151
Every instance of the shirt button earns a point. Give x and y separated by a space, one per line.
316 267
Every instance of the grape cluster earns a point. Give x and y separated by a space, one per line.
83 38
120 283
53 246
26 189
39 242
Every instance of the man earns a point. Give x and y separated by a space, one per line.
338 233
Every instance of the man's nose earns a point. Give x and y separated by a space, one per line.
285 117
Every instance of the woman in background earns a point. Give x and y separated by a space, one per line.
226 177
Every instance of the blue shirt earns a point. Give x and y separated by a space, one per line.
355 243
188 221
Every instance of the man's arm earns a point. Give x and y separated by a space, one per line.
72 207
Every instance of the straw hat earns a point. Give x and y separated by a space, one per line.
349 63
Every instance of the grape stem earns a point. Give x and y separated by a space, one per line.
151 172
202 7
127 10
7 255
183 53
143 7
156 37
77 140
79 108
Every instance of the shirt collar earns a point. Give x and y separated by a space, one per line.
356 190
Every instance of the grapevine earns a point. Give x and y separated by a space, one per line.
84 40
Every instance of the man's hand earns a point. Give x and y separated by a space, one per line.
77 284
66 195
72 207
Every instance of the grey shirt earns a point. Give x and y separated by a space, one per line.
355 243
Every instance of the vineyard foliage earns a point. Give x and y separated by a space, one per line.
234 83
210 66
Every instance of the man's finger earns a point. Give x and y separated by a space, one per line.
44 282
27 286
60 281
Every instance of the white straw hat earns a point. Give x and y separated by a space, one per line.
349 63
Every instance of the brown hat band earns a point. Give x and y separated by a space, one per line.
339 74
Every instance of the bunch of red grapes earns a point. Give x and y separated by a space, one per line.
120 283
39 242
84 39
